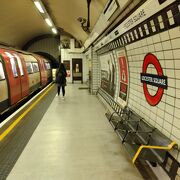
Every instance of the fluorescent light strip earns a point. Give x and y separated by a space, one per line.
48 22
39 7
54 30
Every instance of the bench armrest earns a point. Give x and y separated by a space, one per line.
173 143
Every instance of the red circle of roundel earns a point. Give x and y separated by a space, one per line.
151 59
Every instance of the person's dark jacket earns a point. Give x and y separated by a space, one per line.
61 77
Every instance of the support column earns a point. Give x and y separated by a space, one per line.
95 72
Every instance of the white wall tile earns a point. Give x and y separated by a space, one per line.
171 91
168 54
151 48
158 46
161 105
177 103
177 73
167 126
159 121
160 55
169 109
177 112
145 49
160 113
177 83
176 122
175 32
166 45
166 133
177 93
171 82
153 114
168 117
170 73
163 99
176 132
169 64
143 42
175 43
156 38
177 64
158 126
170 100
164 36
149 40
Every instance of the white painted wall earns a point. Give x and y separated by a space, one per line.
69 54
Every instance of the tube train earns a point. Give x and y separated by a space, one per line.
21 73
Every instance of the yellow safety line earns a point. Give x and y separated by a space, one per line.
10 128
152 147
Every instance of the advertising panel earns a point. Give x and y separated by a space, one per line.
108 73
123 77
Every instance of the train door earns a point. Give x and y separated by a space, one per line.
42 69
13 77
3 88
23 75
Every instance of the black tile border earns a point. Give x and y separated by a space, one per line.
122 40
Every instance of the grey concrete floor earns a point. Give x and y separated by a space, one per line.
74 141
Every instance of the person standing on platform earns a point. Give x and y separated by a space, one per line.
61 79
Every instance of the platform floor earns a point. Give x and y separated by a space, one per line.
74 141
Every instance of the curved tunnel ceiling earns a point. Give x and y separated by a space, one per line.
20 21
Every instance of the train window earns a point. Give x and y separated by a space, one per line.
13 64
35 67
29 67
48 66
19 65
2 76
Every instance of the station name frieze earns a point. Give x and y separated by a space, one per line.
135 18
154 80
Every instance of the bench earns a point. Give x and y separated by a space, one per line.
142 140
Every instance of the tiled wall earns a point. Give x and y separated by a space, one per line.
166 47
95 72
159 35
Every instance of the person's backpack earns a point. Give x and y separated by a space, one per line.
58 77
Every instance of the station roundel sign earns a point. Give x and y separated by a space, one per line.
158 80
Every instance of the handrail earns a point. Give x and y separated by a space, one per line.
152 147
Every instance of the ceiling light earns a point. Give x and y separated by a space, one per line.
48 22
54 30
38 5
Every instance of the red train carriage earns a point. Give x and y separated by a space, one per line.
43 72
20 74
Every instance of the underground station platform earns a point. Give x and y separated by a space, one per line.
55 138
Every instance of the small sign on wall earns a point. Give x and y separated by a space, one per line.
67 66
